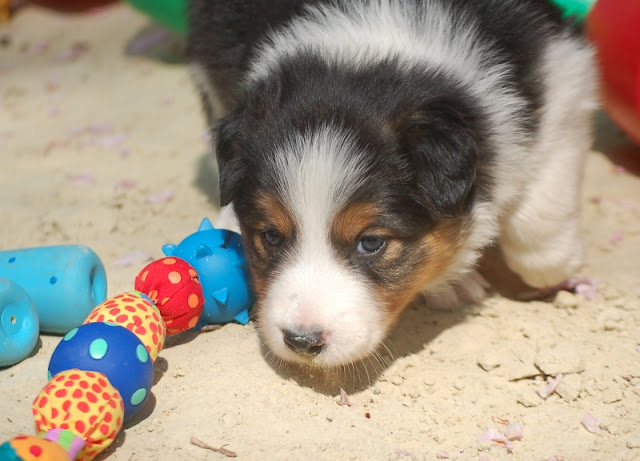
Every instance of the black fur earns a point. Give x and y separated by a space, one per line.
436 143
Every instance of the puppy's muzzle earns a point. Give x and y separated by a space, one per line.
308 343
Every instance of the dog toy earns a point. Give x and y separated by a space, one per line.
112 350
173 284
18 323
138 314
65 282
575 8
613 26
101 372
85 404
49 289
171 13
218 257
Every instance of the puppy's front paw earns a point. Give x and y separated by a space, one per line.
469 288
543 263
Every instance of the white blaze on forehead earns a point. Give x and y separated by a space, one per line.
315 289
317 173
426 36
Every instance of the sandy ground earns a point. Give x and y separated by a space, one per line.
102 143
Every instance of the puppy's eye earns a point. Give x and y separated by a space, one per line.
370 244
272 237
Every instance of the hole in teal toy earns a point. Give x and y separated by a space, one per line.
12 259
97 284
13 320
53 280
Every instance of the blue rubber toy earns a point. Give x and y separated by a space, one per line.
65 282
113 350
18 323
218 257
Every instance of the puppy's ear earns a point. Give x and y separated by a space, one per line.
441 141
231 165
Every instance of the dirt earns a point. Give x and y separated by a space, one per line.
103 143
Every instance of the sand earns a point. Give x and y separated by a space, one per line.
102 143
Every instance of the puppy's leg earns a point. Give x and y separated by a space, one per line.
540 236
468 288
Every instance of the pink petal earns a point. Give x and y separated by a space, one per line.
590 423
401 452
514 432
616 237
486 458
441 454
554 458
587 287
125 184
161 197
77 50
131 259
111 140
99 128
550 388
628 205
83 178
344 398
492 435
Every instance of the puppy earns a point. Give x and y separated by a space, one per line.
371 149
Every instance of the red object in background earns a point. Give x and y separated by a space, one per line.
72 6
614 27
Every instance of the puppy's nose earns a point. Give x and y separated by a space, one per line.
306 343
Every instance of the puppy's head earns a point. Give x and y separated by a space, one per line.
349 206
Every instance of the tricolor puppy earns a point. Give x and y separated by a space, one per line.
371 149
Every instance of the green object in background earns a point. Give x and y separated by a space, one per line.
577 8
171 13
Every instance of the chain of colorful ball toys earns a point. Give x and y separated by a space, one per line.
101 372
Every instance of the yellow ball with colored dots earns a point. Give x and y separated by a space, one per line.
135 312
84 402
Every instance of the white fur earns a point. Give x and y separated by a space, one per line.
378 29
535 205
533 212
540 234
314 289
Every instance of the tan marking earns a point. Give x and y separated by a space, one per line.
438 249
278 217
353 220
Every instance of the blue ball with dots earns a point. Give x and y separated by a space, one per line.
113 350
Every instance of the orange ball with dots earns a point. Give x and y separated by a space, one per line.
173 285
32 448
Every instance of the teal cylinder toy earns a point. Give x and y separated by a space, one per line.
18 323
65 282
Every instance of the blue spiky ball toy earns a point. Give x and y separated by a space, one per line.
218 257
